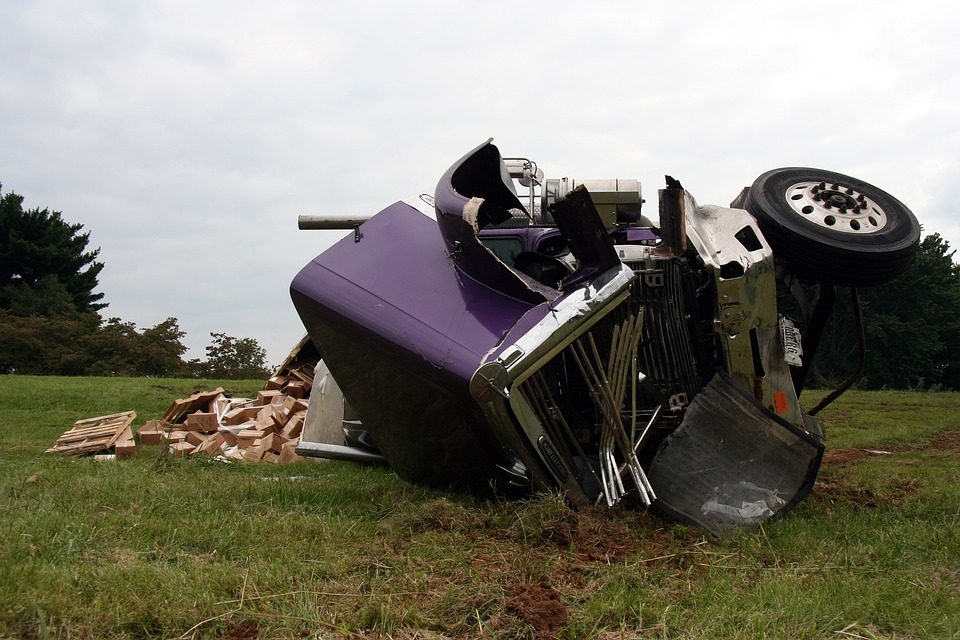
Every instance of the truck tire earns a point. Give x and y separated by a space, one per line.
833 228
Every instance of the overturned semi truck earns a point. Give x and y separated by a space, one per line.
545 335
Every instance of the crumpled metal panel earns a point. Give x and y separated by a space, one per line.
732 463
467 200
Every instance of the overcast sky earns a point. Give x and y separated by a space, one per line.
188 136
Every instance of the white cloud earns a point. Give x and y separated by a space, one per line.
187 137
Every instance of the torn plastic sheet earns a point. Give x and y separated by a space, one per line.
765 504
732 463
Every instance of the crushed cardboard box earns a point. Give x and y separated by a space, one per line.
262 429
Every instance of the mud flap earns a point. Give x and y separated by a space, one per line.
732 463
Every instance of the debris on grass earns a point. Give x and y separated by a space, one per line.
209 423
111 433
262 429
182 407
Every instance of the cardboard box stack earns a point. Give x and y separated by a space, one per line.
262 429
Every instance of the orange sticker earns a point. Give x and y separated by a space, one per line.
780 401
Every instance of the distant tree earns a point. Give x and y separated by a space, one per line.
44 262
161 349
118 348
49 321
229 357
112 349
912 327
44 345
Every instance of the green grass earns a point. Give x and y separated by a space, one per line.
160 548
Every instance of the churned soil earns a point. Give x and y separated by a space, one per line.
948 441
538 605
839 457
241 631
831 491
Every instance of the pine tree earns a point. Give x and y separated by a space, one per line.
44 262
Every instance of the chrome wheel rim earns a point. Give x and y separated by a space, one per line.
836 206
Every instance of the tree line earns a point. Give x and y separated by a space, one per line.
50 315
912 328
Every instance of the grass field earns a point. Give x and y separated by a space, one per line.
160 548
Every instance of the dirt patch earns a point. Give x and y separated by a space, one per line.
839 457
673 537
241 631
946 441
440 514
595 536
839 491
538 605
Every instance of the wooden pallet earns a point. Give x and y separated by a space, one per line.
102 433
